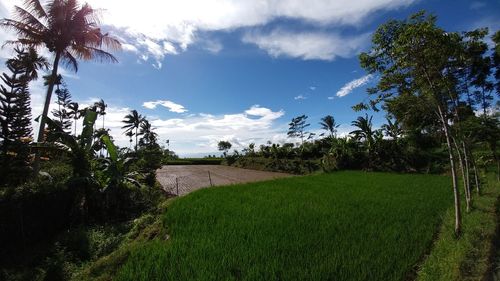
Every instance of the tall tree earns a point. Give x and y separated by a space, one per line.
365 134
149 136
132 122
62 112
224 146
101 109
298 127
328 124
496 60
15 112
416 58
66 29
74 112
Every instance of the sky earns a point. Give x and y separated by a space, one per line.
239 70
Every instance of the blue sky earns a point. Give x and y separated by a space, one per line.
212 70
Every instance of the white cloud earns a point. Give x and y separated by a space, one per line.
211 45
312 88
307 45
476 5
172 106
199 133
148 23
300 97
349 87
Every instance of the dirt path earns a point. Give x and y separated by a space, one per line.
182 179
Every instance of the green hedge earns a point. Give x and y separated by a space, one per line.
294 166
195 161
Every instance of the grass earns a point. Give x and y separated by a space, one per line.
470 257
342 226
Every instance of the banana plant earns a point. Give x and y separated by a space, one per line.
79 148
116 167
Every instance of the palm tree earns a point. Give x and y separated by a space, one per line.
364 131
328 124
101 109
129 134
392 129
32 63
132 122
147 131
74 112
68 30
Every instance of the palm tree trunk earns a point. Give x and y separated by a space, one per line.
45 112
456 194
136 139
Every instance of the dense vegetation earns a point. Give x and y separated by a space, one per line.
71 196
345 226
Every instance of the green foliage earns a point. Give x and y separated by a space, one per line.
62 113
302 228
224 146
78 148
194 161
15 115
328 124
297 128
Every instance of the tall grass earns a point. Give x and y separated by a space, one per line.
342 226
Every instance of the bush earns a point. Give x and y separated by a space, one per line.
294 166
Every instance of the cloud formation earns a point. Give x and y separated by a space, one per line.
307 45
150 24
172 106
349 87
300 97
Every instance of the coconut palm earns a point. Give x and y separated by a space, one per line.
364 131
132 122
74 112
32 63
328 124
68 30
147 133
101 109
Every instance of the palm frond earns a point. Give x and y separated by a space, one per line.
29 19
35 7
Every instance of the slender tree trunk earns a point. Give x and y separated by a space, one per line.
476 176
45 112
467 173
461 163
456 194
136 139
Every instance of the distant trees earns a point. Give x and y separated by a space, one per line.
15 113
297 128
328 124
75 113
101 109
62 112
133 122
224 146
